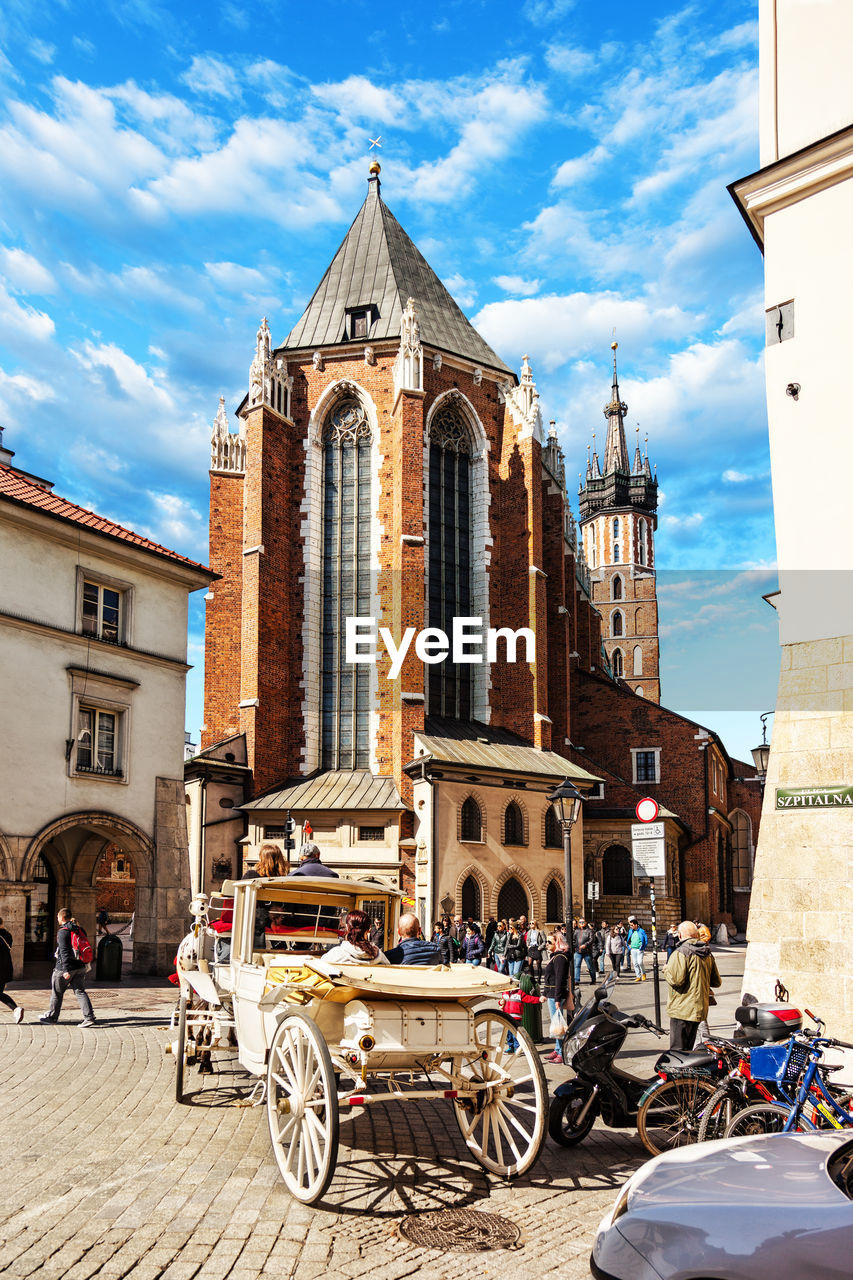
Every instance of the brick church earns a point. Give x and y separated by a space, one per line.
390 478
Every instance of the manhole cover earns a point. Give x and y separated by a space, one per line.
467 1230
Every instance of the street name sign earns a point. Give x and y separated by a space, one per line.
839 797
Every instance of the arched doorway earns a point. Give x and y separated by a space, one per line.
66 857
512 900
554 902
470 899
41 908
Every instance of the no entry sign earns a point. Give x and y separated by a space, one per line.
647 809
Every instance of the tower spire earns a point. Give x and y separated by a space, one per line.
638 457
616 449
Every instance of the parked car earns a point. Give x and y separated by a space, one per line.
756 1208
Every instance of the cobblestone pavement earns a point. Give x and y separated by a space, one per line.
105 1176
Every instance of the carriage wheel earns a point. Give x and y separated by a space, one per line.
302 1107
503 1126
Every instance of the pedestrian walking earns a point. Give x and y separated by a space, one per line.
472 948
515 949
534 940
584 940
7 973
497 947
690 973
70 972
614 947
556 989
490 930
670 940
638 940
601 945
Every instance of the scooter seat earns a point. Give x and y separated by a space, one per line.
685 1060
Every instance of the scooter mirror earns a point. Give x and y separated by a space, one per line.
606 987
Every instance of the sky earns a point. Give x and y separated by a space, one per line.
170 173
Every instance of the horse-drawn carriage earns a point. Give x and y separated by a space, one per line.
324 1037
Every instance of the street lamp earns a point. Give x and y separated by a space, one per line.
567 801
761 753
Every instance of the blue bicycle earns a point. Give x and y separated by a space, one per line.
798 1064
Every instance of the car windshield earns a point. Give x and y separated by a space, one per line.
840 1169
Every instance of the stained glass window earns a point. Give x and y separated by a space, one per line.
449 684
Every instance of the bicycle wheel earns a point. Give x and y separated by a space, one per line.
762 1117
720 1111
671 1112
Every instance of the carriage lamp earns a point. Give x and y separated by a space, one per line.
761 753
567 800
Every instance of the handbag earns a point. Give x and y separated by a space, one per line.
558 1025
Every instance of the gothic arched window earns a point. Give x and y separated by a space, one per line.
512 901
641 542
345 687
617 872
616 527
449 684
553 835
513 824
472 820
616 624
741 849
617 588
553 902
638 660
470 899
618 665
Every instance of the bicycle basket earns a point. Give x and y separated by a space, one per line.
782 1063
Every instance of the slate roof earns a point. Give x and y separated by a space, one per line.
477 745
333 790
377 264
16 488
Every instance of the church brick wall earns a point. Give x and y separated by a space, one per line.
223 611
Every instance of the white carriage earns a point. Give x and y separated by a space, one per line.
326 1037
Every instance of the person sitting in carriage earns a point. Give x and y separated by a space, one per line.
413 947
356 947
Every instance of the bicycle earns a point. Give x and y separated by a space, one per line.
813 1106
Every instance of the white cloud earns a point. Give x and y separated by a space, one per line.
131 378
176 521
24 272
541 11
19 322
42 51
462 290
236 279
735 477
570 61
557 329
209 76
571 172
358 98
20 387
518 285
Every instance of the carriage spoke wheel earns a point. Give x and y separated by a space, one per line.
671 1113
302 1107
503 1125
181 1049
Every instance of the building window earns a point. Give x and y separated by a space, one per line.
741 849
101 612
471 827
553 835
450 685
646 764
512 901
371 833
638 660
346 584
639 692
97 742
553 902
470 899
641 542
618 668
616 554
617 588
616 624
615 528
617 872
513 824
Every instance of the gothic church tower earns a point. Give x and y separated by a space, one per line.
618 519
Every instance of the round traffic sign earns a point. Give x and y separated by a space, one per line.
647 809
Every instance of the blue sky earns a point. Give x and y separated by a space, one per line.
168 174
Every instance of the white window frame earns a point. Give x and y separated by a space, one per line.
636 751
95 692
125 615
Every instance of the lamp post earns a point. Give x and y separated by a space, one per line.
761 753
567 801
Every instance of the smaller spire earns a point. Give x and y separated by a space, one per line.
220 422
638 457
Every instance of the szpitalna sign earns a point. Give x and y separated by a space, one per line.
814 797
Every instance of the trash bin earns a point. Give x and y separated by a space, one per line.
108 964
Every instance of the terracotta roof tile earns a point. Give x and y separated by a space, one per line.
15 487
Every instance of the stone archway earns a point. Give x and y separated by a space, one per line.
72 847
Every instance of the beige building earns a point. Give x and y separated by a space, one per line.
93 646
799 207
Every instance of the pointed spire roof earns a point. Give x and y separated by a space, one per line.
638 457
377 268
616 449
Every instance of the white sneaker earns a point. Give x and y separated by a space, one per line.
19 1014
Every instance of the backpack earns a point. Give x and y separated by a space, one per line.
80 944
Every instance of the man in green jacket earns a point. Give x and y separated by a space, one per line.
690 973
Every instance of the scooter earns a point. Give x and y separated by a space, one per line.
591 1043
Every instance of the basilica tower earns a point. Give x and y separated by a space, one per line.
618 518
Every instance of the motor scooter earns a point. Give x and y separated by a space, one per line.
590 1045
